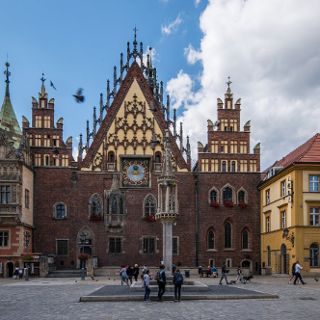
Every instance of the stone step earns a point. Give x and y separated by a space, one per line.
74 273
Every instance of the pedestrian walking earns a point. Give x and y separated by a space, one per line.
239 275
16 273
124 276
224 272
293 272
297 271
161 280
146 285
178 282
136 272
130 273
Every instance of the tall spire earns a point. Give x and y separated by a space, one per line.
7 81
8 119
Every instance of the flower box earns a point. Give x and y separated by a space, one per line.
150 218
242 205
214 204
228 203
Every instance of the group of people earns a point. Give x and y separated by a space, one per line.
128 273
161 279
296 273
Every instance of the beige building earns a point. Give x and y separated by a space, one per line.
290 210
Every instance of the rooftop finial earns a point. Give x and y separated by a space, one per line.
135 34
43 89
228 83
7 81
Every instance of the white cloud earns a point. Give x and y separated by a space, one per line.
152 54
172 26
197 2
270 50
192 54
179 90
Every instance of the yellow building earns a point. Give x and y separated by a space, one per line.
290 210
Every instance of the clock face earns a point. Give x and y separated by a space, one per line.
135 172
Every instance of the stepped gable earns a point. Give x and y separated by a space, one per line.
133 73
305 153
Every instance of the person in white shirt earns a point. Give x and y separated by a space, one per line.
146 284
297 272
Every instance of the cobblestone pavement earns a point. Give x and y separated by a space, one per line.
59 299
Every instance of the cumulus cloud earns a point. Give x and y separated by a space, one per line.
192 54
172 26
270 50
179 90
197 2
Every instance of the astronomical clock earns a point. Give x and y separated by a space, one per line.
135 172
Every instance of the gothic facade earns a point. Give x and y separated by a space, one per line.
104 204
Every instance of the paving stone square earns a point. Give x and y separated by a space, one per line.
59 299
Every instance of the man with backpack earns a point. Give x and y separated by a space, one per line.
161 280
177 281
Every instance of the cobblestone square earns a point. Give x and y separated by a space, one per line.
59 299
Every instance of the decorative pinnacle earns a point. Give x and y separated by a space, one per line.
43 89
135 34
7 72
228 83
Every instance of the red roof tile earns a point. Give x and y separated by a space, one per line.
307 152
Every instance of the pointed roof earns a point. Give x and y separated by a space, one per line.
308 152
8 119
134 72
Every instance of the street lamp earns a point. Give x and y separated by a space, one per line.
288 236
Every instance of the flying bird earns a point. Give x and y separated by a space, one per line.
79 96
52 85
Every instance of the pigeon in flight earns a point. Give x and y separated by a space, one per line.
52 85
78 96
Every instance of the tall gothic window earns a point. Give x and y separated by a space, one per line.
210 240
95 207
245 239
227 194
149 206
241 196
227 235
213 196
111 157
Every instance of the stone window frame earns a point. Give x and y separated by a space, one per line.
246 200
227 185
217 196
247 231
143 242
149 196
95 196
55 211
5 194
8 237
120 239
178 246
312 248
213 239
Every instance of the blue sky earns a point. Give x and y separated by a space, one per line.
269 48
76 43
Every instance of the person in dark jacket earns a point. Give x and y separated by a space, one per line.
224 272
178 282
161 279
136 272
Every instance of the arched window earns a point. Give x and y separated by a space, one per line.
210 240
149 206
157 157
227 235
95 207
241 197
59 211
111 157
268 256
245 239
233 166
314 255
224 166
213 196
227 194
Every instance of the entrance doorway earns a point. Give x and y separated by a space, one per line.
10 269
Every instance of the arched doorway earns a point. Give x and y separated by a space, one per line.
284 259
85 243
246 264
10 269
